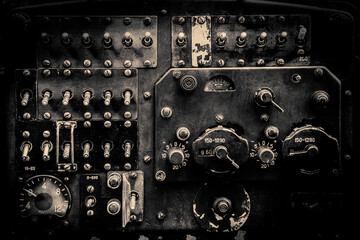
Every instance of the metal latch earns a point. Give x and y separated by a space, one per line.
67 163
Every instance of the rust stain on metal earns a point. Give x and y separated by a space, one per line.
201 41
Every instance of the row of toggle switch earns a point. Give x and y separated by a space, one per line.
67 95
87 146
107 41
241 40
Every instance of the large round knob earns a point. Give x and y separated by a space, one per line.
265 154
176 155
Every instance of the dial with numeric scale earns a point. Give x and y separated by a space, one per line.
44 195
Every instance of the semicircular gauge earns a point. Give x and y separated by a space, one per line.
219 84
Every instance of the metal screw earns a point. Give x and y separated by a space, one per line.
348 93
160 175
66 63
107 73
26 134
260 62
201 20
147 63
221 63
87 73
241 19
67 72
280 62
300 52
147 95
147 159
219 118
127 63
134 175
107 124
133 217
181 20
26 72
296 78
127 72
87 166
160 215
47 115
46 63
87 115
46 72
107 63
107 115
318 72
90 189
87 63
177 74
347 156
241 62
281 19
147 21
163 12
67 115
127 21
264 117
46 134
221 20
127 115
181 63
127 124
87 124
107 166
90 213
26 116
127 166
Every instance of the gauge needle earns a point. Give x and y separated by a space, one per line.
30 192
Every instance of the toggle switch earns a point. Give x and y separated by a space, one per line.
87 95
181 39
66 152
264 97
261 40
46 147
127 40
221 40
66 97
282 38
127 97
46 97
127 148
25 148
25 96
66 39
241 40
107 95
90 201
107 148
87 146
300 40
147 40
107 40
86 40
45 38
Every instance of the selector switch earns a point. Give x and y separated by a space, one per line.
176 155
265 96
265 155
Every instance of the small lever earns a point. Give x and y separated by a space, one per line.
221 152
311 150
265 97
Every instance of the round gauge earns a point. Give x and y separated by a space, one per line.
219 84
44 195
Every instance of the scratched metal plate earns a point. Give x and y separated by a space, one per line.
198 111
96 26
201 40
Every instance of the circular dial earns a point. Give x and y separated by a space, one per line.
220 150
176 153
44 195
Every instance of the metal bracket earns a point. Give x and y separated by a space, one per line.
69 166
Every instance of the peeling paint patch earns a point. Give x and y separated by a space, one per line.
201 41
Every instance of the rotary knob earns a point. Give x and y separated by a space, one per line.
176 155
265 155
